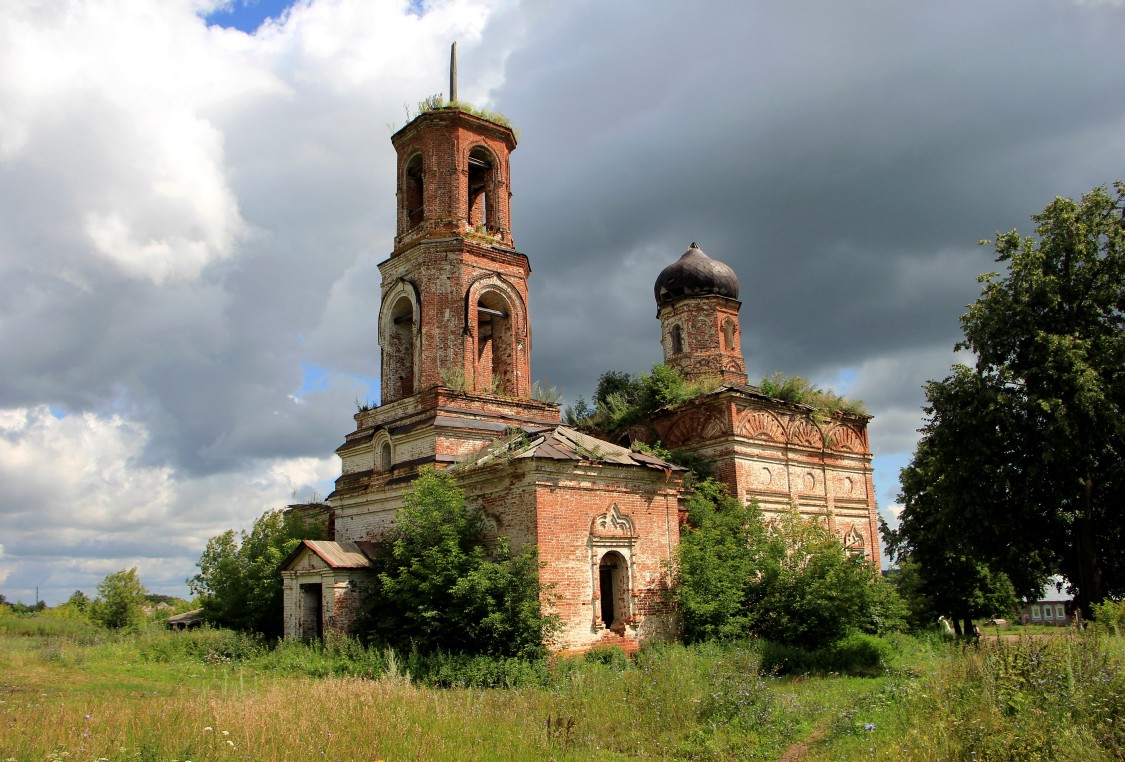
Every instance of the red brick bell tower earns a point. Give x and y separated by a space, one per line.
454 295
453 327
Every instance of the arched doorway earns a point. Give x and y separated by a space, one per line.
613 591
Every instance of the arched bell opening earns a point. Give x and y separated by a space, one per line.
399 361
496 346
482 189
414 192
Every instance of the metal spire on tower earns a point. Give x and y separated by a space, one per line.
453 73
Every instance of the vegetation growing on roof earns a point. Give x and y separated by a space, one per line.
437 101
541 391
800 391
622 399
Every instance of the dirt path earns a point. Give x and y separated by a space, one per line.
797 751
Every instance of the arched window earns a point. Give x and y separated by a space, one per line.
398 355
677 340
415 191
496 347
482 188
384 460
728 334
613 591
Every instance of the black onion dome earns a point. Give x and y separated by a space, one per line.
695 274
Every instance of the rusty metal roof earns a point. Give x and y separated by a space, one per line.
338 555
565 443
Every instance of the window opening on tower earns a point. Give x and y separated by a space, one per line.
482 184
415 191
495 372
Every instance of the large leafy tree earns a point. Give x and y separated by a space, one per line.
121 599
238 583
1020 463
440 586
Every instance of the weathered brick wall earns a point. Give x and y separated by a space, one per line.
444 139
557 505
780 456
710 342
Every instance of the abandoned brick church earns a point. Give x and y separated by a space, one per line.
455 345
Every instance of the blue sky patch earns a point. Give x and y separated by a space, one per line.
313 378
248 15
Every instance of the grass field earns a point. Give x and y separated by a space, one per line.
69 691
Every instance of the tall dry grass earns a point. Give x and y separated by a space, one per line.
217 696
1040 698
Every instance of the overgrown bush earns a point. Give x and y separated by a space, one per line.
719 554
1109 616
210 646
611 656
335 656
445 670
794 584
438 587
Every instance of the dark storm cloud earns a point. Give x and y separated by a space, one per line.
843 160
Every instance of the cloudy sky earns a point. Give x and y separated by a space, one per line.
194 197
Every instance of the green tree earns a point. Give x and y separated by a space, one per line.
238 583
120 602
79 600
794 583
809 590
1025 447
439 587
